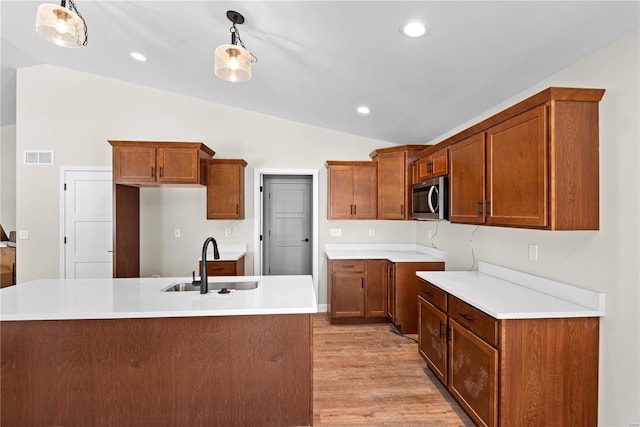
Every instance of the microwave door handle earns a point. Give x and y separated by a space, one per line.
429 198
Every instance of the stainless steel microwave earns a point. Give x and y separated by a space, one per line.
429 199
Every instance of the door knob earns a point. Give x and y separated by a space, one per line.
305 240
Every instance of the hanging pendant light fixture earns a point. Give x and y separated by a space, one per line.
61 26
233 61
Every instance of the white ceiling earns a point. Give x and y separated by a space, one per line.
319 60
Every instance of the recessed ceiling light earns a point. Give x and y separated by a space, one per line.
414 29
364 110
138 56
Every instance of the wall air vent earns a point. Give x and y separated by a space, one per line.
38 157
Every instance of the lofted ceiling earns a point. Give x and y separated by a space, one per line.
319 60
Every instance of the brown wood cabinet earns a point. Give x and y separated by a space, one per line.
432 339
511 372
431 165
152 162
406 283
467 180
352 190
395 180
534 165
225 188
147 163
357 290
224 268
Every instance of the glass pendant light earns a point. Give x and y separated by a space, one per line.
233 61
61 26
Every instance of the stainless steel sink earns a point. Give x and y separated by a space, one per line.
213 286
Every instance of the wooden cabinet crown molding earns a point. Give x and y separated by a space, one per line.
164 144
412 149
548 95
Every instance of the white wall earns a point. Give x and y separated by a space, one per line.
89 110
8 178
607 260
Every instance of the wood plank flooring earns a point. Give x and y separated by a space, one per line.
367 375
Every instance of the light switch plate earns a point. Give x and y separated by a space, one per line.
176 233
533 252
23 234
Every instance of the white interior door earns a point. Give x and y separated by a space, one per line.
88 229
287 225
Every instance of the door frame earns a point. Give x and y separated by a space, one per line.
62 214
258 175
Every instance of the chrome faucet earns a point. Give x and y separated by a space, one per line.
204 284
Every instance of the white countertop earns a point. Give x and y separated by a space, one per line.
394 252
508 294
143 297
226 252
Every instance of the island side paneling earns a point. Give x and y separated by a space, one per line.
230 370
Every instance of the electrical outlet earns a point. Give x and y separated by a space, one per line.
23 234
335 232
176 233
533 252
372 231
430 234
227 232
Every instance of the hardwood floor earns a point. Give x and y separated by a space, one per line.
367 375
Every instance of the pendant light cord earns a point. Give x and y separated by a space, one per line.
235 37
72 6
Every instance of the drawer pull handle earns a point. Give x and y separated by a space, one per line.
217 268
430 294
441 332
348 266
466 317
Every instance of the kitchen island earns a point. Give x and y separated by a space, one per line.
119 352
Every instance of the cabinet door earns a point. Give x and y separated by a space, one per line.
517 170
365 185
178 165
225 191
340 183
432 338
392 186
424 167
466 180
473 375
347 295
134 164
440 163
375 302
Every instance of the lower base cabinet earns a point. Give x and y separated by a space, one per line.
405 285
511 372
357 290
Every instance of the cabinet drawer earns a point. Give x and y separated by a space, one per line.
348 266
221 268
478 322
433 294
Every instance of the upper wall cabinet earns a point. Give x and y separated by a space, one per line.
534 165
154 163
394 180
430 165
225 188
352 190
